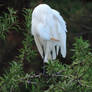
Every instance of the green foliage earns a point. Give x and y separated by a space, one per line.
66 78
56 67
81 49
8 22
28 16
77 76
11 79
27 52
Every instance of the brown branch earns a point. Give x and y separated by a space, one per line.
86 27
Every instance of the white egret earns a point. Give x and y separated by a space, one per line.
49 31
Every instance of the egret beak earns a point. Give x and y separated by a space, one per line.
54 39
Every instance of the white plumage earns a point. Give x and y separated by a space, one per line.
49 31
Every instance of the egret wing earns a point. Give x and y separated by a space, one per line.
60 31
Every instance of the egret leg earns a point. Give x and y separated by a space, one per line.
44 68
47 51
45 62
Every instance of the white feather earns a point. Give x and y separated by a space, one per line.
39 44
47 23
61 32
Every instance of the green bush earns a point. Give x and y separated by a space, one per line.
76 77
27 52
59 77
10 80
8 22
